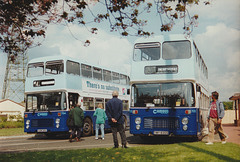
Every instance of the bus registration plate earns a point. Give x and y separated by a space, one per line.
160 132
42 130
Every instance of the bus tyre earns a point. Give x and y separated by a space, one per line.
87 127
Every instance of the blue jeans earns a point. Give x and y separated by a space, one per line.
102 129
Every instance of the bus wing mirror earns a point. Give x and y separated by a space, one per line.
128 91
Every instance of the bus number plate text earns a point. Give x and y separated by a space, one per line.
41 130
160 133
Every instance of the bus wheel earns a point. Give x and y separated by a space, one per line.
87 127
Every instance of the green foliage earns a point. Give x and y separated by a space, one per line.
13 121
23 21
3 119
12 124
228 105
12 132
196 151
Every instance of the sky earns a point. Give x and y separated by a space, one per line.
217 36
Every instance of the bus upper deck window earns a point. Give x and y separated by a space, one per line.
176 50
115 77
97 73
35 69
54 67
86 70
123 79
146 51
107 75
73 67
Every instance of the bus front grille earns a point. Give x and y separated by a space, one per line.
168 123
42 123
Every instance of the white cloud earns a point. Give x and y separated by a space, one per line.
219 46
105 49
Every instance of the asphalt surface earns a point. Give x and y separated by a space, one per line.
42 143
24 143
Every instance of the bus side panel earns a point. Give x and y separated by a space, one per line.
89 114
164 121
45 122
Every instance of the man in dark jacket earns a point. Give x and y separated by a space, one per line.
114 111
78 115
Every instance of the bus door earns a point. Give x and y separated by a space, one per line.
73 99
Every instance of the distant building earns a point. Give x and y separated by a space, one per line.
9 107
236 106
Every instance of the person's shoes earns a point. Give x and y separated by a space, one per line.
124 146
209 143
77 139
96 138
115 147
223 142
226 136
102 138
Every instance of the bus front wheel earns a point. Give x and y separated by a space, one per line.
87 127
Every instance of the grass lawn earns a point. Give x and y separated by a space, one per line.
12 131
192 151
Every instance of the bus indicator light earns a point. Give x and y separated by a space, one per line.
59 114
135 111
187 111
26 115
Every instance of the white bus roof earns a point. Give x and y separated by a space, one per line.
162 38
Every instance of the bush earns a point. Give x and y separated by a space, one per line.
16 121
228 105
12 124
3 119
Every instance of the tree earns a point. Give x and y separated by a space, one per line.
24 20
228 105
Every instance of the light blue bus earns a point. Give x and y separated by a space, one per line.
169 88
55 83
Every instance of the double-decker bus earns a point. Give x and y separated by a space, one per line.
169 88
56 83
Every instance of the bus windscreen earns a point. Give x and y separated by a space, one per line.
163 95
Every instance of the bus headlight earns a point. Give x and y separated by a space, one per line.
57 121
27 122
184 120
185 127
138 127
138 120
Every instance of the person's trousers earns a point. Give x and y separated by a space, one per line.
118 128
102 129
76 132
214 126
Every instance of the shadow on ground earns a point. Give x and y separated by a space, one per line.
158 140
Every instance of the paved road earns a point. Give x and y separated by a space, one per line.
40 142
